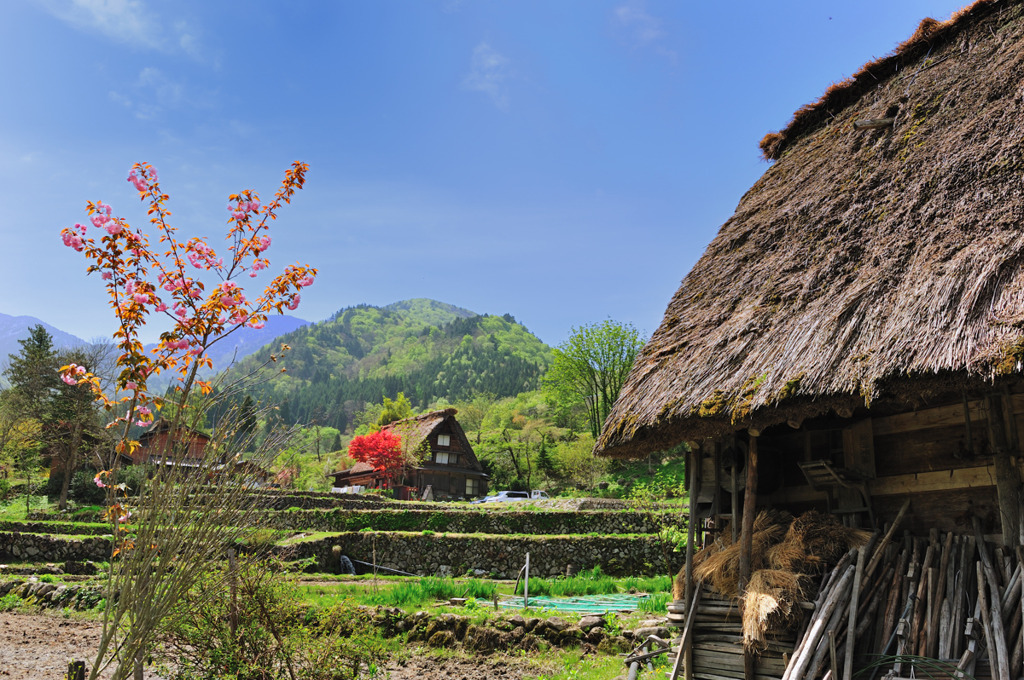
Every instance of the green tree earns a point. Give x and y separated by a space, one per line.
32 374
73 429
589 369
399 409
247 420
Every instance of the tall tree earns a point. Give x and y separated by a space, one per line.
32 374
73 429
590 368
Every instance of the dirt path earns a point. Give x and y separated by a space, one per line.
38 646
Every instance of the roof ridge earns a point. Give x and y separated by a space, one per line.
930 33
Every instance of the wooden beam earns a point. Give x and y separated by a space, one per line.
690 593
749 512
896 485
1007 476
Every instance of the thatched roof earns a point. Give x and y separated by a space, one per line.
416 429
864 261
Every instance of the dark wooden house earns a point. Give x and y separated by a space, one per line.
157 446
447 465
853 337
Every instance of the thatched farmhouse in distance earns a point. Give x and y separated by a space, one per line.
853 337
447 465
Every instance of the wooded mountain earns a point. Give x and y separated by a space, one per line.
14 328
427 349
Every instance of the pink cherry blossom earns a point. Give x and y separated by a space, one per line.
68 379
131 385
161 307
107 276
294 302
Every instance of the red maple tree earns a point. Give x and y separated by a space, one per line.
382 450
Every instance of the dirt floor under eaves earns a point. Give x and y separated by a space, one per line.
38 646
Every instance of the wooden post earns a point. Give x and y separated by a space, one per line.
749 512
693 462
233 586
685 640
526 583
735 491
76 670
851 629
1007 475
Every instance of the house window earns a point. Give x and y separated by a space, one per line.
472 486
444 440
442 457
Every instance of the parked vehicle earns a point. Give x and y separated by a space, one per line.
509 496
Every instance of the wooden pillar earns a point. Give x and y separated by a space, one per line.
693 465
747 539
1007 476
749 511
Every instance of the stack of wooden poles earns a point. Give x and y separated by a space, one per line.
920 607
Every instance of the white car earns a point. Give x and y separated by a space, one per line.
508 496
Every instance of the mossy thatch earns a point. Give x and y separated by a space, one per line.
865 266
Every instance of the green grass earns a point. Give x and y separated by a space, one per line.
655 604
398 591
574 665
594 582
14 509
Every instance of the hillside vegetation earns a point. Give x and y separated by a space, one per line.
429 350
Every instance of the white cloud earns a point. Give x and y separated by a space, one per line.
640 29
487 73
151 94
132 22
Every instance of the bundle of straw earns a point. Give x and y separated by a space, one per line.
768 604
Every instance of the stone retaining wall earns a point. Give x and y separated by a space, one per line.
502 557
17 546
498 523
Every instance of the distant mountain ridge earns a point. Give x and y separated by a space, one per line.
427 349
15 328
235 347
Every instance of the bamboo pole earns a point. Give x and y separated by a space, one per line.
802 656
940 593
986 622
851 628
880 548
996 610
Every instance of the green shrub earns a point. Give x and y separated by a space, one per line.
10 602
277 635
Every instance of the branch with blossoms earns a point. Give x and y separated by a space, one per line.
142 280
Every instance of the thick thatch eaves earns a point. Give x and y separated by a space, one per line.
862 261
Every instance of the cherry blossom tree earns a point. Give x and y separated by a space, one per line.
181 522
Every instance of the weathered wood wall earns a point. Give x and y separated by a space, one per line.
931 455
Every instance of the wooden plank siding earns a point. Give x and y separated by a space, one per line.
926 454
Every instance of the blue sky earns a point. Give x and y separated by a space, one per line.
564 161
